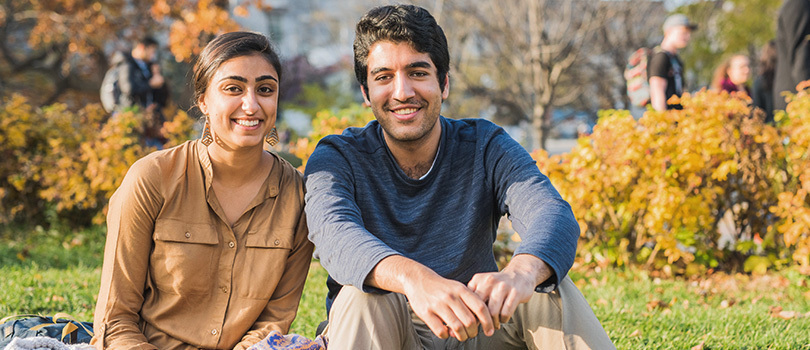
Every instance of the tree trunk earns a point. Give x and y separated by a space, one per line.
540 126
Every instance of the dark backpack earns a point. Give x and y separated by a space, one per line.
61 327
110 92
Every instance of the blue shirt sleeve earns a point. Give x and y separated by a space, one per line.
345 248
544 221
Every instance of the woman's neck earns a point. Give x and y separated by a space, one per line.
232 168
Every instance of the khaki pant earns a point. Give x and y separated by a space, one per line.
561 319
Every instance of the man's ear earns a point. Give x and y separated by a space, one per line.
446 87
366 101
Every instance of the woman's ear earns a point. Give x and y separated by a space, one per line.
203 107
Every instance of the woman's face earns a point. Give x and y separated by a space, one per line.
241 101
738 70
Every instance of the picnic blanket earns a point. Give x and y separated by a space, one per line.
278 341
44 343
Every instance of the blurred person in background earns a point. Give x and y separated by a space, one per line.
732 75
134 79
763 83
792 49
665 70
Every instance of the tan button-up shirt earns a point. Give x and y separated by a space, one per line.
177 276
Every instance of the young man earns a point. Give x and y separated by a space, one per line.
666 69
404 213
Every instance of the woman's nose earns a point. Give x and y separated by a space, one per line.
250 105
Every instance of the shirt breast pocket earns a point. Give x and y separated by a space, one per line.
265 261
185 257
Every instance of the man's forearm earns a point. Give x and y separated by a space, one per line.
394 273
658 88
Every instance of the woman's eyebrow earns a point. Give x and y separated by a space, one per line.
235 77
265 77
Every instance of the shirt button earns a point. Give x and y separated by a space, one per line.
188 235
277 242
214 331
230 244
224 289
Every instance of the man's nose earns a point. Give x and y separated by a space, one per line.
403 88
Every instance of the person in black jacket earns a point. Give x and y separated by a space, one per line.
137 75
134 79
792 49
763 83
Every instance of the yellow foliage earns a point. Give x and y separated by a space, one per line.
70 162
327 123
656 188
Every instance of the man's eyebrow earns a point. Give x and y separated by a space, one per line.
380 69
417 64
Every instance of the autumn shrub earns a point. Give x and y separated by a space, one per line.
794 203
327 123
657 191
68 163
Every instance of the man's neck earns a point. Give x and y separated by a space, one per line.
668 46
415 158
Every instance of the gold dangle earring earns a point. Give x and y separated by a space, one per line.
272 137
206 137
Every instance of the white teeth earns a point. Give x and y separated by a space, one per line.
406 111
248 123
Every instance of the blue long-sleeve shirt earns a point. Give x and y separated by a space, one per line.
361 207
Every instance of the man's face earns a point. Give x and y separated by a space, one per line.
403 91
681 35
144 52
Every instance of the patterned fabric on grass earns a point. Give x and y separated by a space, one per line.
278 341
43 343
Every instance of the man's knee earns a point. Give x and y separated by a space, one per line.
369 320
354 301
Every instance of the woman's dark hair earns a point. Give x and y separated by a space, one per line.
225 47
767 63
400 24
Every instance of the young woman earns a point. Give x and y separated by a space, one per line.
732 75
207 241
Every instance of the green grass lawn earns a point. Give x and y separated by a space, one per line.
45 273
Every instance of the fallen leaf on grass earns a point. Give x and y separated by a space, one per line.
787 315
726 303
699 346
778 312
636 333
657 304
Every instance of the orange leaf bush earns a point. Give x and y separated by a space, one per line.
327 123
686 190
68 163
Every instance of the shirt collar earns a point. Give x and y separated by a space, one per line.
271 184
